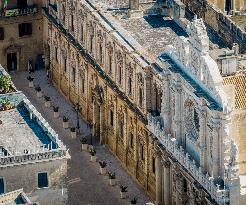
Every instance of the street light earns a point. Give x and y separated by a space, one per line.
77 109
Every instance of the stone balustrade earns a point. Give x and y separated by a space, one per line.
43 123
32 157
219 194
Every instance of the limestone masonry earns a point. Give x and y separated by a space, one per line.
161 82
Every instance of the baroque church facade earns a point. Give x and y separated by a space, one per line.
170 127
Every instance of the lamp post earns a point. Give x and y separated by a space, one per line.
77 109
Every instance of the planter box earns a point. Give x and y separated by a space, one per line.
84 147
47 103
112 182
73 135
56 114
65 125
93 158
31 84
123 195
39 94
103 171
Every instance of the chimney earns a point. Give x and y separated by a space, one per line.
134 4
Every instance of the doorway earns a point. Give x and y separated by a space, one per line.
12 61
1 186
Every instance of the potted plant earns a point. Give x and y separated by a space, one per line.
123 190
134 201
73 132
5 84
93 155
39 92
83 141
103 169
56 112
65 122
5 104
47 102
111 176
30 79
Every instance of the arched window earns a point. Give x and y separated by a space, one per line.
100 52
130 85
131 140
72 22
142 156
91 43
140 97
63 14
82 33
110 63
120 72
111 117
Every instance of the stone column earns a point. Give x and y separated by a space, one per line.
202 136
178 194
166 105
167 183
102 124
215 152
177 117
158 179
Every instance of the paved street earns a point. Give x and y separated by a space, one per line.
85 184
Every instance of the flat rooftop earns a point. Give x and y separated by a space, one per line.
20 134
152 32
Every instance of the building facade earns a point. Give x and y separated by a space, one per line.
21 34
161 109
32 157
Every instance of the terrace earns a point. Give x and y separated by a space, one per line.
25 135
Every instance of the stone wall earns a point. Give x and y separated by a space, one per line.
26 47
223 25
26 177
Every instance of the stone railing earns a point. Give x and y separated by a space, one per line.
46 155
219 194
43 123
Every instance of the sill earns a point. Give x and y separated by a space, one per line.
26 36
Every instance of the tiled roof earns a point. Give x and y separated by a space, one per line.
240 89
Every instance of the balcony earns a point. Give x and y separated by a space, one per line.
30 10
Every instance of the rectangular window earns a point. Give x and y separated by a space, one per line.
142 152
25 29
21 4
83 85
72 23
1 186
73 75
111 118
1 33
153 165
56 54
65 65
42 180
131 140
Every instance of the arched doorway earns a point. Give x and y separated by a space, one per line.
12 53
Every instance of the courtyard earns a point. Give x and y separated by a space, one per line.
85 185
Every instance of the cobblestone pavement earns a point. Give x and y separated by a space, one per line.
85 185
